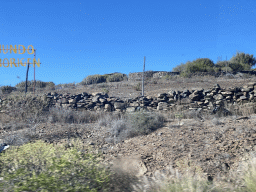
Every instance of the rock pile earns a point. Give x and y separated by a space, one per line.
212 99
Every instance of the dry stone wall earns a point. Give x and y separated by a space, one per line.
200 99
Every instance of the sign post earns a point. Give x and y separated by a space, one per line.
12 60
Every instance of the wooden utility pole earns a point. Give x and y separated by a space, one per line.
143 77
26 80
34 72
226 65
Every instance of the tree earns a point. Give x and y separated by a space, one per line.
201 65
246 60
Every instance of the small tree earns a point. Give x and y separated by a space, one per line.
246 60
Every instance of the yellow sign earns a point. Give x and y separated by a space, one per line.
21 50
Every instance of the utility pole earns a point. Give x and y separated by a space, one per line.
34 72
226 65
26 80
143 77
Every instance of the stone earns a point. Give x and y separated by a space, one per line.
218 97
246 89
194 97
96 94
119 105
161 95
229 97
226 93
243 98
80 105
130 109
64 101
102 100
72 101
251 84
135 104
218 102
162 106
66 106
95 98
107 107
172 93
193 105
53 93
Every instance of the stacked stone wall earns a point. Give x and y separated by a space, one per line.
200 99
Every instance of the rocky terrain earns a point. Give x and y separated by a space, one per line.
213 144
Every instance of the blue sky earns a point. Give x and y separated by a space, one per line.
75 39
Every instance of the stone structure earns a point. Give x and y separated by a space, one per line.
206 100
149 75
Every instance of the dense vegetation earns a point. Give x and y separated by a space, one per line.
239 62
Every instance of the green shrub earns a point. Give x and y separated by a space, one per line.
236 67
246 60
44 167
116 77
7 89
228 69
198 65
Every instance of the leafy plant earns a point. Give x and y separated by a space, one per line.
246 60
44 167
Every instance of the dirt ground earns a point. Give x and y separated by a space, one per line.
215 145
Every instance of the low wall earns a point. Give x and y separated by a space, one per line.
200 99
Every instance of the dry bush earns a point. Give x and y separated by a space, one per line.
69 116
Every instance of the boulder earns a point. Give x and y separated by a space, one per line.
64 101
119 105
130 109
162 106
107 107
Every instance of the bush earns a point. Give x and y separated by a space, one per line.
144 123
116 77
131 125
7 89
44 167
198 65
93 79
180 68
246 60
228 69
39 84
138 87
70 116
